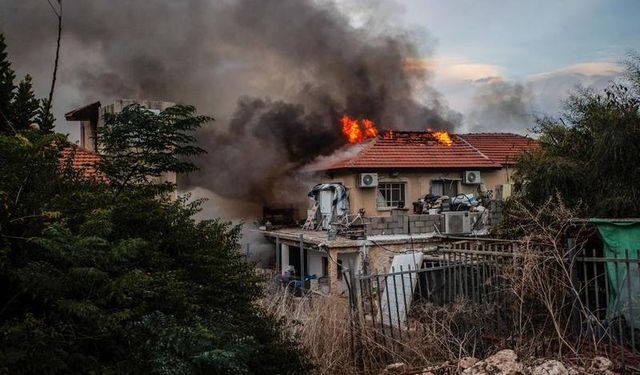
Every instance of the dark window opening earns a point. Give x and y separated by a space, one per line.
325 266
444 187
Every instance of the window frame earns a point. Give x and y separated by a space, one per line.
446 181
390 203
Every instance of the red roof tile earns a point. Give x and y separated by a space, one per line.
82 160
420 150
500 147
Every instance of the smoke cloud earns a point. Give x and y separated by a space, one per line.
501 104
276 74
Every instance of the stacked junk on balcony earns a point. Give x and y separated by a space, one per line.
439 214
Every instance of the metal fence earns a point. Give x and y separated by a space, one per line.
582 305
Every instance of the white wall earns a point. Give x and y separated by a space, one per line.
284 256
314 262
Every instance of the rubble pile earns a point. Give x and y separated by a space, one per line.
505 362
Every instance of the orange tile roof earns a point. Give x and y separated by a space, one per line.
500 147
83 160
420 150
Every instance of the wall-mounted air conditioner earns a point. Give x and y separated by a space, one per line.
471 177
457 222
367 180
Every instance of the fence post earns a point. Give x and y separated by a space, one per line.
278 265
302 270
355 318
570 262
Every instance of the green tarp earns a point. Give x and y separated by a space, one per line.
621 239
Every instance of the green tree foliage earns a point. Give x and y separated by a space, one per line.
19 108
102 277
589 158
44 117
24 106
139 144
7 87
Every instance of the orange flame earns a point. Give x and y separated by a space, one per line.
443 137
358 131
370 130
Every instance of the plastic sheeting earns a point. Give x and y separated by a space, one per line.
622 238
340 201
399 288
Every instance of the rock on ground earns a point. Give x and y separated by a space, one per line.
551 367
504 362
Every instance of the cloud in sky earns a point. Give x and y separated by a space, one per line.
588 69
457 69
491 100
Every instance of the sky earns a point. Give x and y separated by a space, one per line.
487 53
499 63
526 37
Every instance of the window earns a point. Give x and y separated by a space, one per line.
444 187
391 195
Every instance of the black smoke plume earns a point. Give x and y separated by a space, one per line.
277 74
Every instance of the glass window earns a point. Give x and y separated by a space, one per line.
391 195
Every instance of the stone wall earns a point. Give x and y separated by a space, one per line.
424 223
401 223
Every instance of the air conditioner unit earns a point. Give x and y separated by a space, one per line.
471 177
457 222
367 180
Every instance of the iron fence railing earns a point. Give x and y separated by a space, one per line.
584 304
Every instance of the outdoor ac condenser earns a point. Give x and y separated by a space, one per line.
471 177
367 180
457 222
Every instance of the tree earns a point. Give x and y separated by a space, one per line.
108 277
24 107
18 106
588 157
7 87
46 118
139 144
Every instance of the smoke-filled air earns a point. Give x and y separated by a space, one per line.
276 74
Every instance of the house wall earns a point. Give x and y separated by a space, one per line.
418 184
284 256
337 284
87 136
314 263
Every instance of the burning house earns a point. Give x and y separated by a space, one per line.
390 191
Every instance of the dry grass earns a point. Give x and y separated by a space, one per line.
321 324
